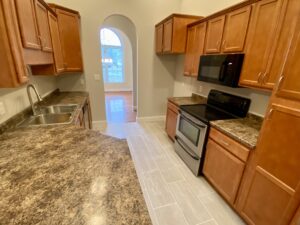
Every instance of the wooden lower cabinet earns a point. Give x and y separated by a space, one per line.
271 189
223 166
171 120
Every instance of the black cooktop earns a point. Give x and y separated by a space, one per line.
206 113
219 106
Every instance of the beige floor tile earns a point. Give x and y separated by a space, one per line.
157 189
170 215
210 222
220 210
192 208
172 174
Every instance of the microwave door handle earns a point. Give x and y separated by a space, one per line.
186 149
223 71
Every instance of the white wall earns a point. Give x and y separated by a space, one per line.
155 74
15 99
127 85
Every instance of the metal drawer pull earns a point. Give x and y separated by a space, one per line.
280 82
259 76
270 114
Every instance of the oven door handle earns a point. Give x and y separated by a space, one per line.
186 149
192 122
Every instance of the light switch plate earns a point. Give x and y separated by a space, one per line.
97 76
2 109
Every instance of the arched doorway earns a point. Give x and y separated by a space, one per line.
118 75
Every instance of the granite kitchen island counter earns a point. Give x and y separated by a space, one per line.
67 175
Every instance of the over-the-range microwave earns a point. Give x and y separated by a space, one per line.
222 69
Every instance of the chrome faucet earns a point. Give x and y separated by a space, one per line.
30 98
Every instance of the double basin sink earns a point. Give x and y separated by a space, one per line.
51 115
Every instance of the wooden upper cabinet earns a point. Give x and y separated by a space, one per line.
159 38
261 42
214 34
194 48
289 80
69 32
43 26
272 191
171 33
13 71
28 23
235 30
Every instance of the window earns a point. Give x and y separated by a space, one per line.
112 57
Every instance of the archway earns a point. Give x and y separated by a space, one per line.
119 68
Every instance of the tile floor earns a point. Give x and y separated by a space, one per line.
173 194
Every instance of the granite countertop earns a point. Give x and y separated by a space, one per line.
68 175
192 100
244 131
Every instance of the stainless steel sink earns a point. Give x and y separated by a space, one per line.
48 119
57 109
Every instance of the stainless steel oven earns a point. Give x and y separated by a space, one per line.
190 139
193 125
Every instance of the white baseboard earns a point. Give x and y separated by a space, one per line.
151 118
98 125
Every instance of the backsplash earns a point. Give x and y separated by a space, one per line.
185 86
15 100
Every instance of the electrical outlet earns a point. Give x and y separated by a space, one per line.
97 76
2 109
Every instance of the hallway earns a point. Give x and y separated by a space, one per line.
119 107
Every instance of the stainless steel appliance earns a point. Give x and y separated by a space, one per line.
193 125
222 69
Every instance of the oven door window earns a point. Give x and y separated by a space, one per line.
190 131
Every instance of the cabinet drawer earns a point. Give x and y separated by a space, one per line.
172 107
230 145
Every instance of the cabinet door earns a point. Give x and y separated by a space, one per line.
199 47
190 51
168 35
159 38
43 26
171 123
260 41
214 35
27 23
273 192
69 31
288 27
223 170
236 29
289 81
57 49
